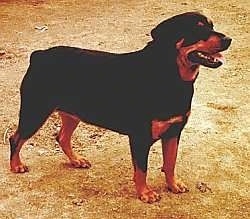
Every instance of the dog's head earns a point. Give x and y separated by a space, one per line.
195 40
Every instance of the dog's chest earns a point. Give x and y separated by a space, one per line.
174 106
159 127
171 99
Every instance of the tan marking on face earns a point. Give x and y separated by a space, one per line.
189 71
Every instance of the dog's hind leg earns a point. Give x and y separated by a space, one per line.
16 143
69 124
31 118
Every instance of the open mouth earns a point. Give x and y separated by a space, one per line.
209 60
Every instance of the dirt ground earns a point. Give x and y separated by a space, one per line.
214 148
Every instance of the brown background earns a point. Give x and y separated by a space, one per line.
214 147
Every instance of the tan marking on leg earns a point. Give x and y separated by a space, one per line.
16 164
170 149
69 124
144 192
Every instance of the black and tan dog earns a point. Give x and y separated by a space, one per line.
144 94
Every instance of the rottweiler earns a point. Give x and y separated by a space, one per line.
144 94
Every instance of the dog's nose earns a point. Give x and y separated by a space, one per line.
225 42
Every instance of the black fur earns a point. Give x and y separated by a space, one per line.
121 92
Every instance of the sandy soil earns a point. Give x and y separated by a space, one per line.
214 148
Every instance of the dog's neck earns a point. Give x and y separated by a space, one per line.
187 72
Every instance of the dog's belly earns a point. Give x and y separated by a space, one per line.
111 120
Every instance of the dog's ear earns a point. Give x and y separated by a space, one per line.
167 32
173 29
159 30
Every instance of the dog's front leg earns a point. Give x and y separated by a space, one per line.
170 149
140 151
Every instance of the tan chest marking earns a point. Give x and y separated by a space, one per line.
158 127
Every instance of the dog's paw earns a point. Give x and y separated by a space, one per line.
149 196
19 168
177 187
80 162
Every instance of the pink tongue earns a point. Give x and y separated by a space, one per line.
219 57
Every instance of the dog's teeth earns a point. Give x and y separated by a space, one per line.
209 58
201 55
